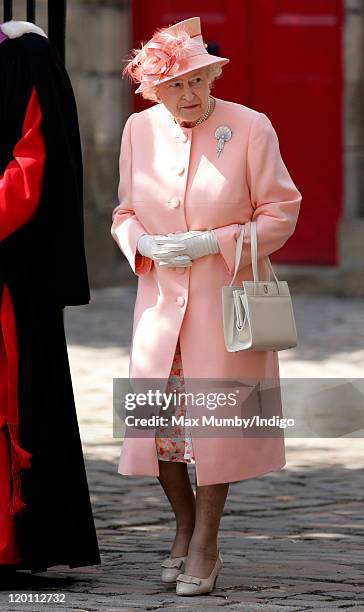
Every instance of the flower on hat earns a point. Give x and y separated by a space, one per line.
162 55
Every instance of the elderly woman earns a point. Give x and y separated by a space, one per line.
193 168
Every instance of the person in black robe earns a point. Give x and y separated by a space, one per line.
43 268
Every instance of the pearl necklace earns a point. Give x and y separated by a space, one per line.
207 113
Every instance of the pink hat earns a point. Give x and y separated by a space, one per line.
171 52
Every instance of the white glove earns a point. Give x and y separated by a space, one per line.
167 256
193 244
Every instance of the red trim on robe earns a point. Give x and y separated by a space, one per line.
20 189
21 183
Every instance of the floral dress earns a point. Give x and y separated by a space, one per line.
174 442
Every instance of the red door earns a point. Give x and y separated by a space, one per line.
285 61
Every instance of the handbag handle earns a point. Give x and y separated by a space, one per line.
253 252
239 248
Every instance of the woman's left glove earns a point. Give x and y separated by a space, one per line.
194 244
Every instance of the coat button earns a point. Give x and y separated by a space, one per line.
181 300
174 202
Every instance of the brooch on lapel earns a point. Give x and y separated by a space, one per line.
222 135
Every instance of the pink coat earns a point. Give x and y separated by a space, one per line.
171 180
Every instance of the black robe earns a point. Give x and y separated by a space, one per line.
44 266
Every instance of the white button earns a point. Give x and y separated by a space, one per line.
181 300
180 270
174 202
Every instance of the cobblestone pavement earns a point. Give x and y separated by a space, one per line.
291 540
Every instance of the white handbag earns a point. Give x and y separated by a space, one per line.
257 315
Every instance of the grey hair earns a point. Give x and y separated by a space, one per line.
213 71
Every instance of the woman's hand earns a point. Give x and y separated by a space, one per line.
193 244
161 250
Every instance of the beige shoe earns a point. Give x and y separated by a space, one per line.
191 585
172 567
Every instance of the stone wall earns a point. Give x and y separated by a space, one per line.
352 226
98 39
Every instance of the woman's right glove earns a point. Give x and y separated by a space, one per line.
165 255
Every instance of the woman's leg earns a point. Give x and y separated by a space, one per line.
203 548
173 473
175 481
